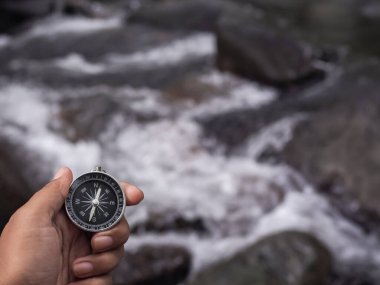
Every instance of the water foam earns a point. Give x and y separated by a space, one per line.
197 45
56 25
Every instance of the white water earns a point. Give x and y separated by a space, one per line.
197 45
57 25
238 198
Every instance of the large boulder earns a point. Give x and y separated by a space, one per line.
149 265
338 147
265 55
287 258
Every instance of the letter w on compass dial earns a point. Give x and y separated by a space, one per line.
94 202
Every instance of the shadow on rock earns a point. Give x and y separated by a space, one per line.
288 258
150 265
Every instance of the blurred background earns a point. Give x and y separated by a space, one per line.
251 125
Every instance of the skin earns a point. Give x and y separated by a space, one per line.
40 246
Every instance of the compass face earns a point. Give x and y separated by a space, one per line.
95 202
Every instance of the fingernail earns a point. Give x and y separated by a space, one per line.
59 173
103 242
83 268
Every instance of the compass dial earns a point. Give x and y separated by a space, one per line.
95 202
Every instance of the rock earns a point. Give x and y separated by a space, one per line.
92 45
335 25
287 258
14 188
184 14
14 14
351 278
164 265
84 8
338 148
263 54
162 223
157 77
87 117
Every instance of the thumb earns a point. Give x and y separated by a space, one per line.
51 197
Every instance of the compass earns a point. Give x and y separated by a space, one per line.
95 201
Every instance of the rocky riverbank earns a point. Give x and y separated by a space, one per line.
251 125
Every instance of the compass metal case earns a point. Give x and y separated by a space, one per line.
95 202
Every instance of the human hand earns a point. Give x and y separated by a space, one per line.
41 246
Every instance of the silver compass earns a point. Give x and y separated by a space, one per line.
96 201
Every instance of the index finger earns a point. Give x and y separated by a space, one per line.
133 194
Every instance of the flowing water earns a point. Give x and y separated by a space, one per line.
236 198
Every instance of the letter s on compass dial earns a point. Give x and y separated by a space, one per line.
95 201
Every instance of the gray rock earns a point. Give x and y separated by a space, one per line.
27 7
15 14
184 14
263 54
164 265
152 76
338 148
92 45
288 258
14 188
162 223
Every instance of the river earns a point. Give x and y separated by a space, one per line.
146 136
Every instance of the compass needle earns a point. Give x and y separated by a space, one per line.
92 212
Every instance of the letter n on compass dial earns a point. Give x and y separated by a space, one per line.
95 202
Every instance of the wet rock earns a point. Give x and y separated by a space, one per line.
14 14
161 223
337 149
92 45
342 26
85 118
164 265
160 76
88 114
292 258
14 188
196 89
85 8
350 278
264 55
183 15
233 128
